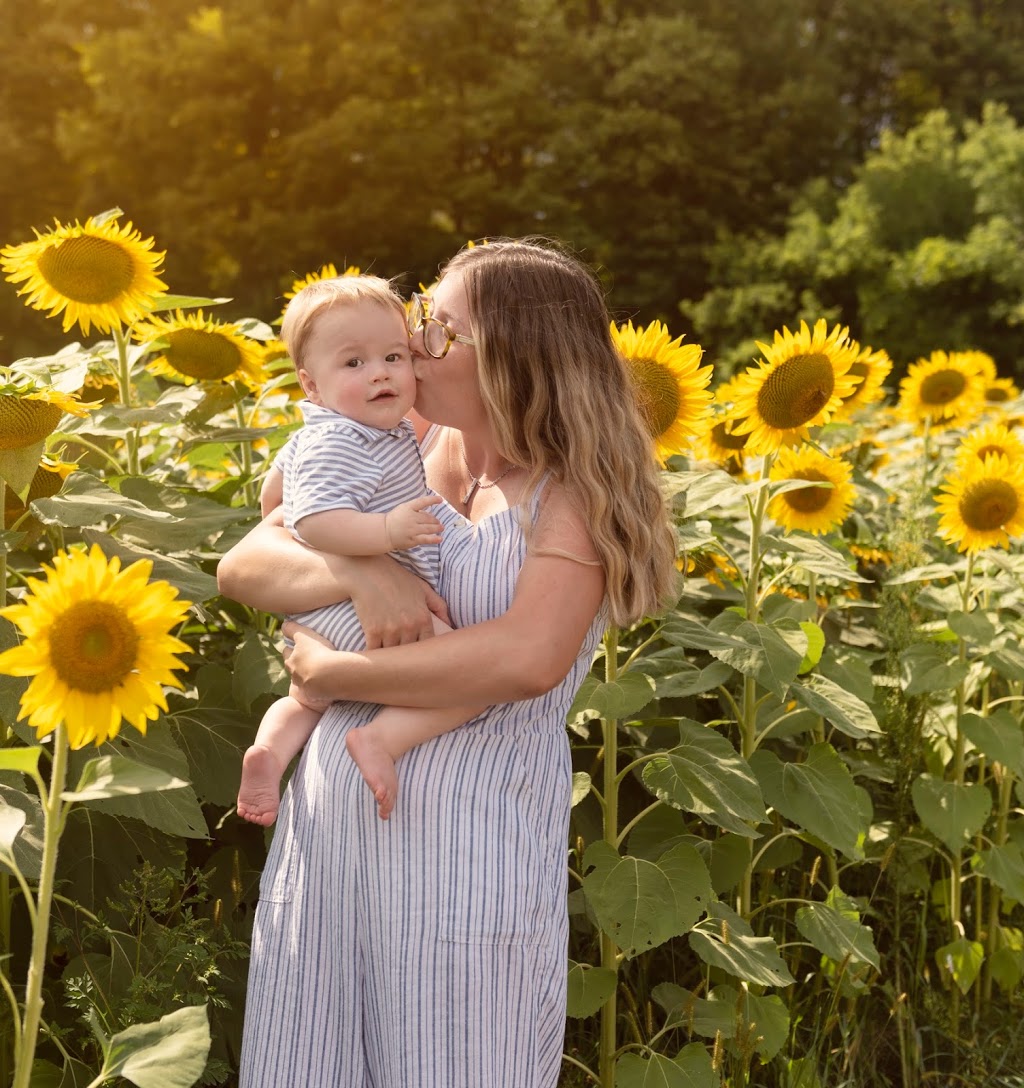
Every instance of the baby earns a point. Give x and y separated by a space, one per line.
352 483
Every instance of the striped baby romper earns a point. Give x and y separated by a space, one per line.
428 950
335 463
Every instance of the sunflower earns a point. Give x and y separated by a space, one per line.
813 509
990 438
804 380
981 505
97 274
199 349
980 362
97 645
870 368
1000 390
29 412
670 384
944 389
868 554
327 272
711 565
46 481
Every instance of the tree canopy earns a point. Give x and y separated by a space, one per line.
258 139
924 250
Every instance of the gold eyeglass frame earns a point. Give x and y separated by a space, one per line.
417 316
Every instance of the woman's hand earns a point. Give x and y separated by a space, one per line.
394 606
307 661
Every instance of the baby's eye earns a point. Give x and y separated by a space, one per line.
397 357
353 362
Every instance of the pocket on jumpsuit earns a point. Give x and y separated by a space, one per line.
277 883
492 873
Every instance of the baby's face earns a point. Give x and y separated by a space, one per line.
358 363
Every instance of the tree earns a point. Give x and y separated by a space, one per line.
924 251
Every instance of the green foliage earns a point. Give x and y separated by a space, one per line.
150 950
642 132
921 252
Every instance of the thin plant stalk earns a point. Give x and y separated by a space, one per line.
248 493
609 950
53 819
748 722
1005 780
959 766
124 385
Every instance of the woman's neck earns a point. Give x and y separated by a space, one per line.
479 455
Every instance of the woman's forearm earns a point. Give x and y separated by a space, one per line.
269 569
489 667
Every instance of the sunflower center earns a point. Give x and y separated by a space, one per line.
88 270
201 354
809 500
24 422
996 394
657 392
724 438
942 387
93 646
796 391
988 504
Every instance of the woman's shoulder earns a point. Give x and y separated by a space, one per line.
560 527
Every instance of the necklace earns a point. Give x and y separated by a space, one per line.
477 484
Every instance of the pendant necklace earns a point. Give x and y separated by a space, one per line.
477 485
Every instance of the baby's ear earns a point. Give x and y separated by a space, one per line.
308 384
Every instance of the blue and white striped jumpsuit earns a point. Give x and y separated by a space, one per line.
429 950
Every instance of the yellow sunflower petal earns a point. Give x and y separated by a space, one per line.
943 390
870 368
802 382
97 645
981 504
812 509
199 349
97 274
988 439
670 384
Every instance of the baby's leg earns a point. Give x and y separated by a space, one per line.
285 728
378 745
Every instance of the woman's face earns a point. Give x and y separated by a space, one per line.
448 390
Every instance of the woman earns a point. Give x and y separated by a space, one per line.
430 951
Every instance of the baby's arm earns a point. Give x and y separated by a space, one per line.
272 491
352 532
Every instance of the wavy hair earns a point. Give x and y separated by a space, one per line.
561 403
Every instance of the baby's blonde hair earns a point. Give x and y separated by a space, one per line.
302 311
560 401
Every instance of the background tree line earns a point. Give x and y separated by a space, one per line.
729 164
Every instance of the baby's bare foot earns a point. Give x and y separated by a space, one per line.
259 794
376 766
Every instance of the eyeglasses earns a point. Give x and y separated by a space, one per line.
437 336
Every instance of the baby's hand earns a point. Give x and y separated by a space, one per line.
409 524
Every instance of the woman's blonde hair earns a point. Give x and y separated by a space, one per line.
301 313
560 401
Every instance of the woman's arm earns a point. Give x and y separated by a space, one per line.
519 655
269 569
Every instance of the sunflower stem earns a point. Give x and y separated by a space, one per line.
956 864
52 824
248 493
609 950
124 383
748 723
